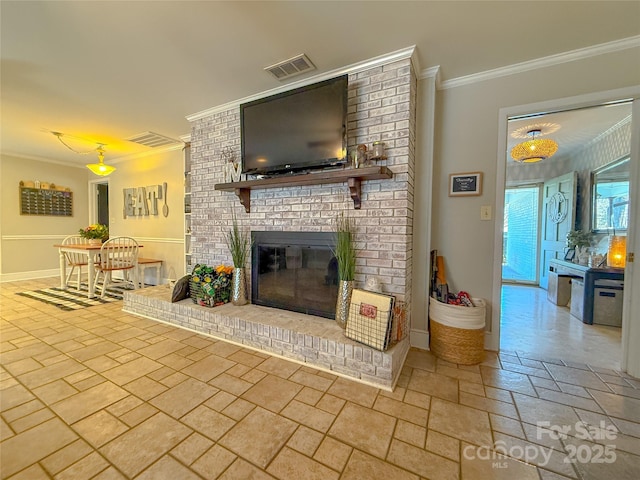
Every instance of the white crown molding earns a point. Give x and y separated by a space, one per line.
155 151
415 61
431 72
41 159
621 124
351 69
565 57
112 160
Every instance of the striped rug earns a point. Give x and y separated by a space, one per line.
73 299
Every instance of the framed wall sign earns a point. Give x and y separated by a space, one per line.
465 184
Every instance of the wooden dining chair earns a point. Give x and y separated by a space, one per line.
117 254
75 260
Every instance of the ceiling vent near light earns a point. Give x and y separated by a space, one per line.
152 139
293 66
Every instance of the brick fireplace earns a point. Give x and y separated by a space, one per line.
381 107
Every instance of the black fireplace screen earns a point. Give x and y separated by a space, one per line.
295 271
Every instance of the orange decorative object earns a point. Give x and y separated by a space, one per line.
617 255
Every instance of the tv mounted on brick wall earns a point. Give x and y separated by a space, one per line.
297 130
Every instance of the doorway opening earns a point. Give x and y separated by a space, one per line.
102 201
99 201
521 234
542 202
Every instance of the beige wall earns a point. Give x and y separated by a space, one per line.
27 239
466 133
161 236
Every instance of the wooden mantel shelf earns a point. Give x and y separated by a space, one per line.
353 177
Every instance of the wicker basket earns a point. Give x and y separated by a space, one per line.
456 345
215 297
464 346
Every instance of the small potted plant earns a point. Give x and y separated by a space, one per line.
96 233
579 238
579 241
239 244
345 253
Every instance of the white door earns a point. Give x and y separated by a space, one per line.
631 311
558 214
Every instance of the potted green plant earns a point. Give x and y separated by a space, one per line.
579 238
239 244
345 253
579 241
95 233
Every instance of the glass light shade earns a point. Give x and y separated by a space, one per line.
617 255
100 168
534 150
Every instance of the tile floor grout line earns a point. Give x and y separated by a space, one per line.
405 383
56 415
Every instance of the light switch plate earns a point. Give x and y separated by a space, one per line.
485 212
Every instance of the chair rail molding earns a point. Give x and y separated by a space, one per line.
32 237
158 240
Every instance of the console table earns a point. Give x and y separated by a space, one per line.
590 276
353 177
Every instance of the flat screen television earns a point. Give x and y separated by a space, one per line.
296 130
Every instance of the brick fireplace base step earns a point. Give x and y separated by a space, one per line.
306 339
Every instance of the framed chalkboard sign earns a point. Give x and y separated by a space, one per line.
40 201
465 184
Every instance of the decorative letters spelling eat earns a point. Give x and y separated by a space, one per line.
141 201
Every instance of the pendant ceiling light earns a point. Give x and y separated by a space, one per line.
534 150
100 168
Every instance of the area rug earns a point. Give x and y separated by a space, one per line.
72 299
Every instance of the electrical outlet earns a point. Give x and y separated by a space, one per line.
485 212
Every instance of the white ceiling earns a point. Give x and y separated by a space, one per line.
106 70
573 130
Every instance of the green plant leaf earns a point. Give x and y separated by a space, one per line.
239 243
345 250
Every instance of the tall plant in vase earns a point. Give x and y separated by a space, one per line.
345 253
239 244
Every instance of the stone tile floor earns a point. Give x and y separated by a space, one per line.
98 393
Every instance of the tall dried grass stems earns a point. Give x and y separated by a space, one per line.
345 250
239 243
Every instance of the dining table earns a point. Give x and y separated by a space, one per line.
92 251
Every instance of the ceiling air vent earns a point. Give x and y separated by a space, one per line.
152 139
294 66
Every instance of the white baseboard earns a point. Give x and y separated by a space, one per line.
491 342
16 277
419 339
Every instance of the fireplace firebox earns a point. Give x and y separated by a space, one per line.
295 271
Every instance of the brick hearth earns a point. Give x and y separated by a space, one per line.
306 339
